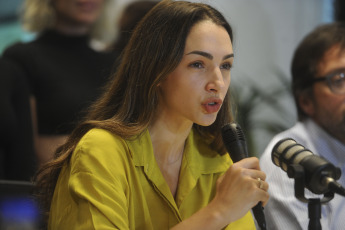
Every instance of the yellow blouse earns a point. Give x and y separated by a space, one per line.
112 183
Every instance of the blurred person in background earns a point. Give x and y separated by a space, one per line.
63 67
339 10
17 158
130 17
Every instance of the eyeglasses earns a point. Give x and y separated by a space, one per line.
335 81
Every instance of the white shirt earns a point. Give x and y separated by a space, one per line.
284 210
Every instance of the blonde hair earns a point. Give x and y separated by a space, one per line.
39 15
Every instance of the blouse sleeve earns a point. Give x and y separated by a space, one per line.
98 182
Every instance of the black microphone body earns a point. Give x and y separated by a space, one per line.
320 175
235 144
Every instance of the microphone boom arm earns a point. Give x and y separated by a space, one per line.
296 172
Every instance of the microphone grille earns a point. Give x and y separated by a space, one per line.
283 144
280 149
232 132
288 151
234 141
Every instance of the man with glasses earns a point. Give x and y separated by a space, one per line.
318 85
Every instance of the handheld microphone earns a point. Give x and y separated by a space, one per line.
235 144
320 175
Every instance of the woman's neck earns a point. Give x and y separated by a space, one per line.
168 142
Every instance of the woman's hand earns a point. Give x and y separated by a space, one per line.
238 190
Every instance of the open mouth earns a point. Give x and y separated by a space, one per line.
212 105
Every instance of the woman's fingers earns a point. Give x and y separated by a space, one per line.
249 163
242 187
262 188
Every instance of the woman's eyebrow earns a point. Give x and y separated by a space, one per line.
228 56
208 55
202 53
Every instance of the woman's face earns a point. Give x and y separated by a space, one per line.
195 90
78 12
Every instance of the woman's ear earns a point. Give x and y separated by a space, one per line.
307 104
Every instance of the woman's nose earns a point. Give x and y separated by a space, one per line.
216 81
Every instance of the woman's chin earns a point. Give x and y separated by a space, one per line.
207 121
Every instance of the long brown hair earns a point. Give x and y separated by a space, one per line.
130 99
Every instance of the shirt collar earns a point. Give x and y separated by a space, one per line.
326 145
199 157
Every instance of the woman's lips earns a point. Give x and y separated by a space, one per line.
212 105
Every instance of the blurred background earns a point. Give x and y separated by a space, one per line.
266 33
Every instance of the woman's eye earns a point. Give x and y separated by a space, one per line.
226 66
197 65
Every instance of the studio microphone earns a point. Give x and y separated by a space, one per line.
235 144
320 175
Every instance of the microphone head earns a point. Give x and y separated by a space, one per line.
234 141
287 152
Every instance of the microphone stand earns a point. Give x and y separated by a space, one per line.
314 205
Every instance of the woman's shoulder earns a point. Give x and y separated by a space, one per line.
100 138
19 47
20 51
99 147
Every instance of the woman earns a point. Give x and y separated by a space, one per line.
63 68
150 154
